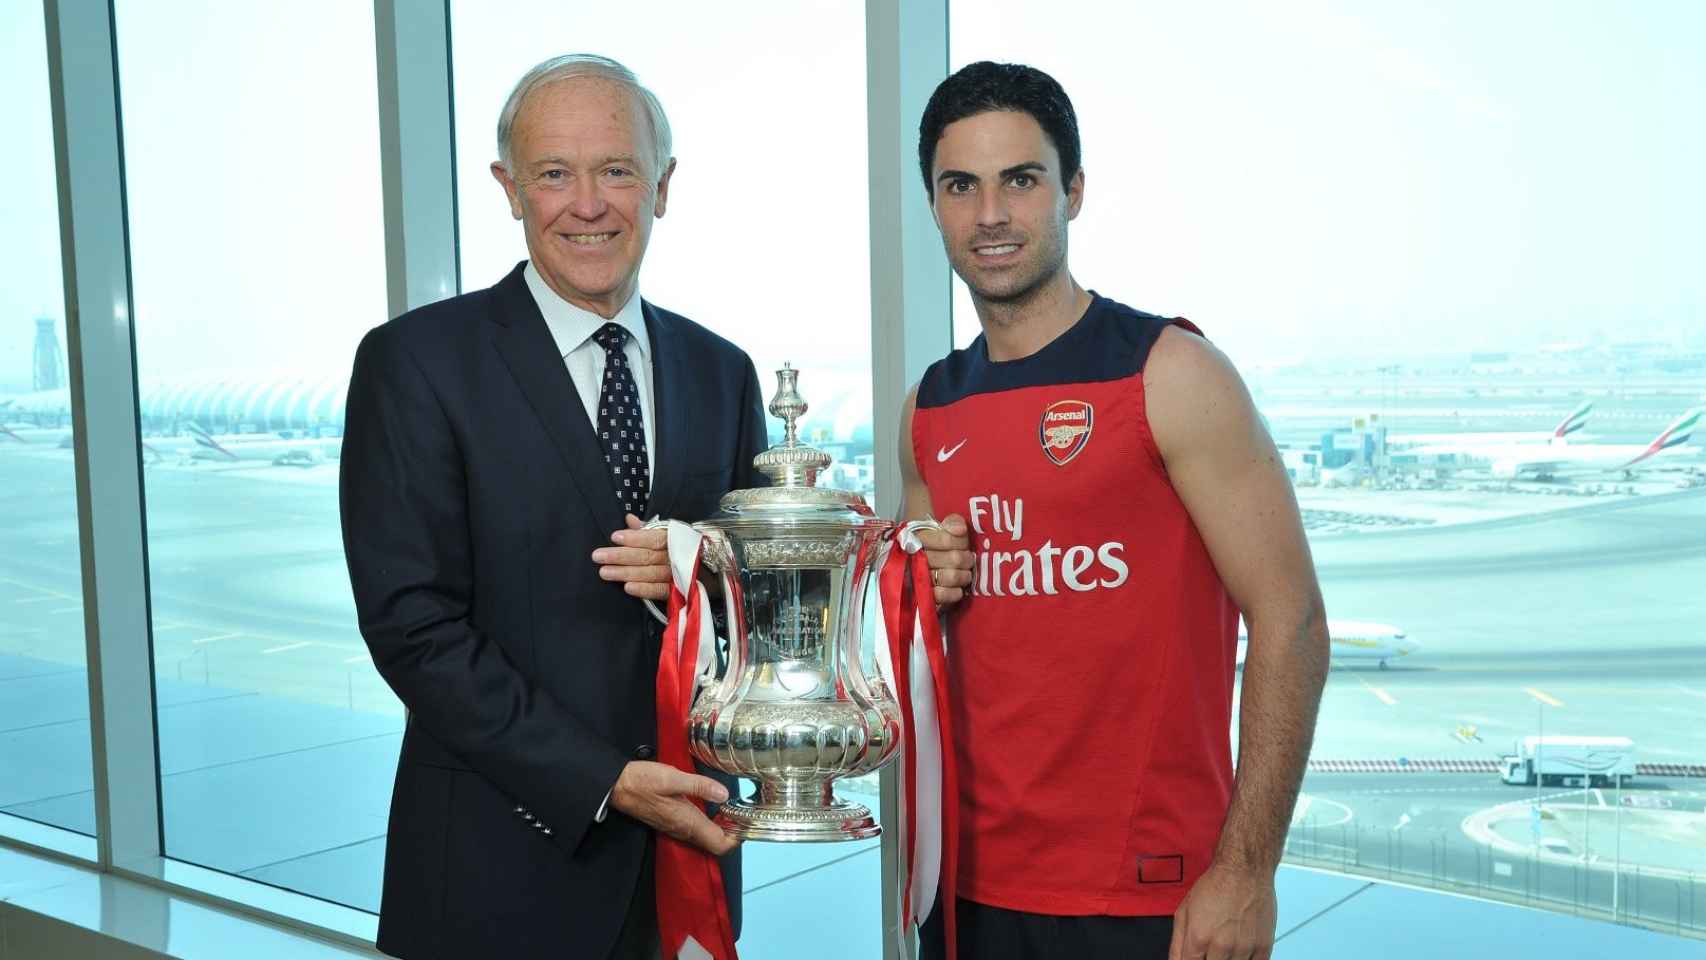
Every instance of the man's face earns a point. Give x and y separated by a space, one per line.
583 188
999 203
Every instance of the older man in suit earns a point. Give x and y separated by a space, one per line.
494 442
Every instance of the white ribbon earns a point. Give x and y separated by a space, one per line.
684 546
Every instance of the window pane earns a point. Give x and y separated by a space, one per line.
258 259
1426 234
764 241
44 691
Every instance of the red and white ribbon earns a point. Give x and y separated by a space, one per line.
913 661
693 915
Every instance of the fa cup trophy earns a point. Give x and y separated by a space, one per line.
801 701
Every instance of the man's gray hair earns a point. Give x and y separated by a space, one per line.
570 66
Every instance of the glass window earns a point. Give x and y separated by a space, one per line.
1454 249
765 241
258 262
44 691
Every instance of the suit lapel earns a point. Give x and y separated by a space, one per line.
525 344
669 375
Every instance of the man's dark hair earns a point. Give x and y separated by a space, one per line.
984 86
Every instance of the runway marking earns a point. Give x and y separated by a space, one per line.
77 609
1307 804
43 598
215 638
1543 697
361 659
289 646
1385 697
31 586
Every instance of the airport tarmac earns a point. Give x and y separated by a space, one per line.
278 739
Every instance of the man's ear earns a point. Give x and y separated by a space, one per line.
1075 194
511 190
663 189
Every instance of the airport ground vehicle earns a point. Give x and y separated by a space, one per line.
1569 761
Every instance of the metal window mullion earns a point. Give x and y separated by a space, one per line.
94 240
906 56
417 151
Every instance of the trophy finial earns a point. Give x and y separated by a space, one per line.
790 463
788 404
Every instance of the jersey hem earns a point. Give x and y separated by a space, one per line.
1159 903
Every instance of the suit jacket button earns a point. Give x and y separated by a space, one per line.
644 752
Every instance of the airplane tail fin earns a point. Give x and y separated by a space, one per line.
205 440
1577 419
1675 435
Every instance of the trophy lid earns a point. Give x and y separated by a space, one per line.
793 468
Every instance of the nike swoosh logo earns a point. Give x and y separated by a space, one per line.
944 454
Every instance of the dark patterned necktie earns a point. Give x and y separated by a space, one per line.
621 425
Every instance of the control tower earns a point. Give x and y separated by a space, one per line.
49 362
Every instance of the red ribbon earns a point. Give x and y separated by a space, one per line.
690 896
903 579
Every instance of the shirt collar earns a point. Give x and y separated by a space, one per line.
572 326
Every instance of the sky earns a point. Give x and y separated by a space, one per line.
1313 178
1307 180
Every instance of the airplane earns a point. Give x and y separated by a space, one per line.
1566 428
230 448
1353 640
1547 461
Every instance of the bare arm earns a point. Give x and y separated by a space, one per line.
1227 472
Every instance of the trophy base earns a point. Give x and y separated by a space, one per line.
835 821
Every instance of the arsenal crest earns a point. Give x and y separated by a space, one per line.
1065 429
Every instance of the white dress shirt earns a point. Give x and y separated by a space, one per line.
573 327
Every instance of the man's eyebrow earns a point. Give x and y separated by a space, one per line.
1029 166
553 159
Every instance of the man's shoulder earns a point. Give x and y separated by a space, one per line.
442 324
696 337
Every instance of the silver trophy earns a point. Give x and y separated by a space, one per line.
800 702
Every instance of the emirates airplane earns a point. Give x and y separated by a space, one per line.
1535 461
1354 640
1566 429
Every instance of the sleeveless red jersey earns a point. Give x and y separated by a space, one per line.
1091 667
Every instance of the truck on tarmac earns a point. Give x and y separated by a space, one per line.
1569 761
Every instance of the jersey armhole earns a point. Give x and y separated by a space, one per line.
918 454
1144 433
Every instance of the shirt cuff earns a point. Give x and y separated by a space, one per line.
603 808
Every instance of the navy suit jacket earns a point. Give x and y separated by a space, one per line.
473 492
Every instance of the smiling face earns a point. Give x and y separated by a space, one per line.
581 183
999 202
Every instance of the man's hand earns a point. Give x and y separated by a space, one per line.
639 560
669 801
1229 915
951 559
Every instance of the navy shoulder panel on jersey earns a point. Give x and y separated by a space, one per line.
1110 342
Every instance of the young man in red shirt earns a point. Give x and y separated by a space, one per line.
1124 504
